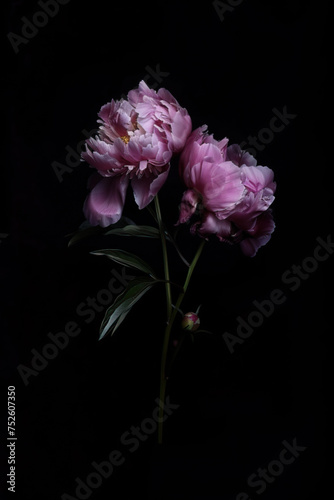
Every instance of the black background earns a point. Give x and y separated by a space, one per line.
235 409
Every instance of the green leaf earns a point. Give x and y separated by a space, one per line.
84 233
85 230
120 320
126 258
141 231
123 304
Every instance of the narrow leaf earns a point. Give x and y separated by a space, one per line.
126 258
120 320
141 231
86 229
116 313
84 233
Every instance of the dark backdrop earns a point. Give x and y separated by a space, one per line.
237 407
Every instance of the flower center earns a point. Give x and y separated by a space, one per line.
125 138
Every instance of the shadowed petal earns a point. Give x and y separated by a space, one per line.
104 205
146 187
240 157
259 235
188 205
211 225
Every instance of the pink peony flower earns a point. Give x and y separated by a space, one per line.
214 182
135 143
230 192
160 109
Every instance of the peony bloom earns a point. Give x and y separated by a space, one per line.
214 183
231 194
160 109
135 143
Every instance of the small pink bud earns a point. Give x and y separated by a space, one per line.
190 322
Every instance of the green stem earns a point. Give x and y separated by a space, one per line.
163 377
165 258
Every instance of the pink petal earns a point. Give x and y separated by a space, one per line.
188 205
104 156
240 157
146 187
259 235
225 189
181 128
257 178
104 204
211 225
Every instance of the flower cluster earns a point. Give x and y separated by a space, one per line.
228 195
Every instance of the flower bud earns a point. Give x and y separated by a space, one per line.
190 322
